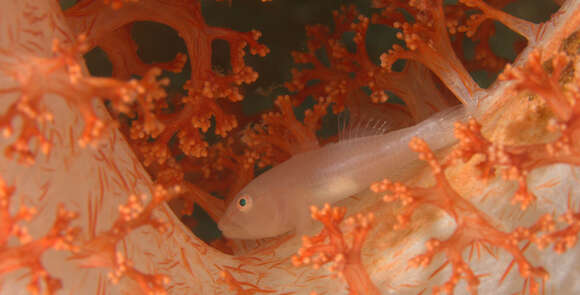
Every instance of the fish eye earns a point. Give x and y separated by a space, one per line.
244 203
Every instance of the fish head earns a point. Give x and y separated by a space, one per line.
252 215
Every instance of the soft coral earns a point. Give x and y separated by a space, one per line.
473 226
36 78
428 43
29 253
331 246
205 87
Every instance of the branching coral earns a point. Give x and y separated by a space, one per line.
231 164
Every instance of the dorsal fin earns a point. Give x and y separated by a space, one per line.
361 119
352 125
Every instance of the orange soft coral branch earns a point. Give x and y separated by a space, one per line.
565 238
117 4
241 168
61 75
101 250
228 167
121 50
472 225
205 87
238 287
330 246
518 161
29 252
348 71
335 81
560 27
534 77
153 284
525 28
457 25
417 87
428 42
284 133
230 164
192 194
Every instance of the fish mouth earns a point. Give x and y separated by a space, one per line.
231 229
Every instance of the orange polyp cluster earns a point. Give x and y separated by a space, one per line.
525 28
101 251
518 161
210 95
472 142
39 77
206 87
149 284
133 208
427 42
347 72
283 133
331 246
537 79
30 250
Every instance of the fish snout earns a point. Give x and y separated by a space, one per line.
229 228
